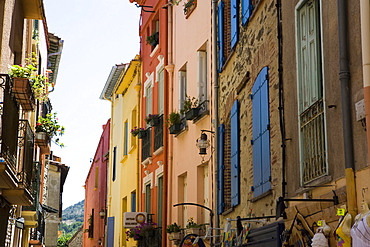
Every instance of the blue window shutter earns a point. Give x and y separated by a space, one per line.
234 22
235 147
110 232
220 169
247 8
261 134
220 24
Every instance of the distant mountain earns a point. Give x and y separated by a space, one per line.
72 218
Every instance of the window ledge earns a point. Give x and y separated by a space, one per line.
158 151
124 158
264 194
201 116
227 211
132 149
154 51
313 184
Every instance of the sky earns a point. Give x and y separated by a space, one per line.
97 35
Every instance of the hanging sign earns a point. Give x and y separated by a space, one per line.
133 219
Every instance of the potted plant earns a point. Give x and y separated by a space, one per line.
192 227
135 131
174 231
142 133
152 119
189 7
190 108
174 121
153 39
40 86
48 128
145 229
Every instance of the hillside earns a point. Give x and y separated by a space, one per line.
72 218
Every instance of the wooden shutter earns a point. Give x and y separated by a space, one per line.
308 55
220 169
261 134
247 8
220 42
110 232
234 22
202 75
235 146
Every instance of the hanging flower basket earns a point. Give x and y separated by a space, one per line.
42 139
23 93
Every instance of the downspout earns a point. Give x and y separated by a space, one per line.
365 35
281 96
216 122
165 141
344 77
138 89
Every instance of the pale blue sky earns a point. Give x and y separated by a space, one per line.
97 35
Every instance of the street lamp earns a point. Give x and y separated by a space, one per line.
203 144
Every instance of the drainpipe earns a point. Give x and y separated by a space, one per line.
165 141
215 87
168 145
365 35
138 89
344 78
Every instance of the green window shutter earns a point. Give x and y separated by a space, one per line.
309 62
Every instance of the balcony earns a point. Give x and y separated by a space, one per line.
23 93
8 134
21 195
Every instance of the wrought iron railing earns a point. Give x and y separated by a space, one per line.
313 143
25 145
146 143
9 123
34 188
152 238
158 133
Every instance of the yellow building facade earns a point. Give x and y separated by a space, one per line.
122 90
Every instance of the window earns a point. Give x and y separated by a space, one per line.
182 87
96 177
202 76
228 29
110 232
228 181
148 197
114 164
160 201
161 91
125 151
133 201
148 94
310 93
261 133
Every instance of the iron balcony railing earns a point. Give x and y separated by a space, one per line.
34 188
25 147
151 238
146 142
9 112
313 151
158 133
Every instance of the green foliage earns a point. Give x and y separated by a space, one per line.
62 240
189 103
70 229
173 118
192 224
173 228
50 125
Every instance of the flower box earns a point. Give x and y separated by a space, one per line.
23 93
195 230
174 236
42 140
192 113
175 128
141 134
